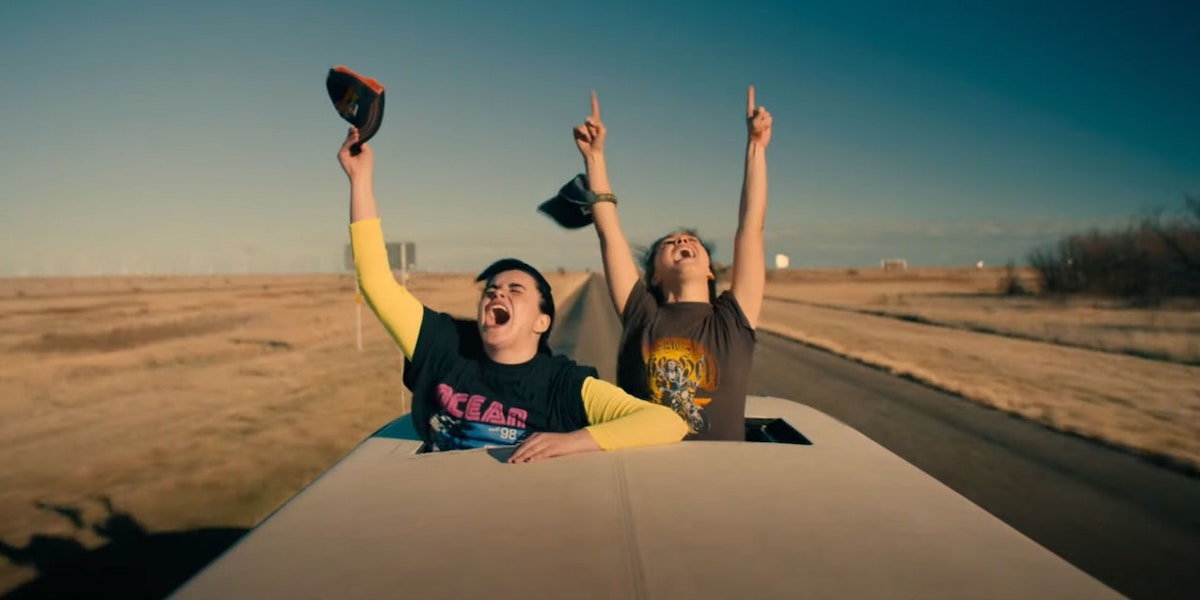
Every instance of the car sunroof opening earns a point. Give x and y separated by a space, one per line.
773 431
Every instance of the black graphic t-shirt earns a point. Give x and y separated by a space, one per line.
461 399
694 357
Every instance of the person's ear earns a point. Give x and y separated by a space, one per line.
541 324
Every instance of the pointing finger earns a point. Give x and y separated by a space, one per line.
750 102
595 107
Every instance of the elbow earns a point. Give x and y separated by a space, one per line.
366 285
752 223
674 427
682 428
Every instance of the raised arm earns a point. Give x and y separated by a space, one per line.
400 312
620 270
749 263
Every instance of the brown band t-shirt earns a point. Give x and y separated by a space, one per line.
694 357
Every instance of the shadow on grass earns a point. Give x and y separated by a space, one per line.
133 562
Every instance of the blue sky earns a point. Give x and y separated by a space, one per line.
174 137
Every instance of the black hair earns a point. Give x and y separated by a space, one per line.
545 304
649 254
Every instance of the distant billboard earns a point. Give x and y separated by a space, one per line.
401 256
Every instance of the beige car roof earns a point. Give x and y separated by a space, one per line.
840 518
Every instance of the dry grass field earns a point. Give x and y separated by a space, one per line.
972 300
199 402
1124 375
188 402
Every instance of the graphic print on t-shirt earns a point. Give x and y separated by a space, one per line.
462 421
681 375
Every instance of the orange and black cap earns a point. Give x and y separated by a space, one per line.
358 99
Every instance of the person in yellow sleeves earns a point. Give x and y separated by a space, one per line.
493 382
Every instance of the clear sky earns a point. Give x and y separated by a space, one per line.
195 136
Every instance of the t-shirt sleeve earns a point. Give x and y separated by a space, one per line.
730 311
568 382
441 336
639 306
619 420
398 310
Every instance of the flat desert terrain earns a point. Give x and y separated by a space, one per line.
1123 375
191 403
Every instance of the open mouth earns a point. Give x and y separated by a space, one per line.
686 253
499 314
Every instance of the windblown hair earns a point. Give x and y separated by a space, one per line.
647 256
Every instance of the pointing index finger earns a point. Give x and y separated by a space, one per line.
750 106
595 106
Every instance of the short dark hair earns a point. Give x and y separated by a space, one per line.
546 304
649 254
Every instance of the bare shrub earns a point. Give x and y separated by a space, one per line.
1011 284
1157 256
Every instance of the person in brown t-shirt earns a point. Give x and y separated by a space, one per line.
682 344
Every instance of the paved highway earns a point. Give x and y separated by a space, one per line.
1129 523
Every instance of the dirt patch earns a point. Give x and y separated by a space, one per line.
82 309
133 336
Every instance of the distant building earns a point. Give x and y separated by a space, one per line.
893 264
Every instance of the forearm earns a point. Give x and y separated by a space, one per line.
620 269
597 173
752 213
619 420
749 276
604 214
362 199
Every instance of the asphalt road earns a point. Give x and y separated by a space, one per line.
1131 524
